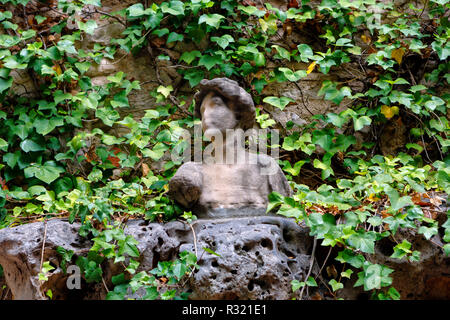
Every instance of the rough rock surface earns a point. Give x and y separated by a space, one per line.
259 256
20 255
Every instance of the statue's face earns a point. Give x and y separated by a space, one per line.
216 115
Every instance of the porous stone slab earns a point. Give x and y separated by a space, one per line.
257 256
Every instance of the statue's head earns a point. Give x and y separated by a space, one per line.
222 104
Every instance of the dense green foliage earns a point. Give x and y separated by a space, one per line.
51 167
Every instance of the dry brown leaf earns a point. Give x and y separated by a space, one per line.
398 54
145 169
332 272
91 155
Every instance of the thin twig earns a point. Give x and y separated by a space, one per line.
310 266
195 240
104 284
43 245
303 100
323 265
42 252
111 16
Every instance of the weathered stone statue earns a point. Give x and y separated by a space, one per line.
215 187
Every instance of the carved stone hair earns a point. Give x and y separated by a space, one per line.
236 98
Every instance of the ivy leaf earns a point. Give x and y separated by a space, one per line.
11 158
311 282
48 172
156 152
323 138
212 20
397 54
280 103
282 53
175 8
389 112
5 83
428 232
3 145
209 61
305 51
251 10
363 241
67 46
88 26
165 91
179 270
335 285
128 246
331 92
136 10
296 169
173 37
347 256
188 57
361 122
194 77
45 126
28 145
223 41
296 285
374 276
293 76
107 115
396 202
401 250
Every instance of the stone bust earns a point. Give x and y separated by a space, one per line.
217 189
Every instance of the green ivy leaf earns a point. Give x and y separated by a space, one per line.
173 37
3 145
188 57
374 276
88 26
28 145
223 41
363 241
361 122
212 20
209 61
335 285
280 103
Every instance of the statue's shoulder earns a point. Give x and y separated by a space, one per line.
265 160
190 167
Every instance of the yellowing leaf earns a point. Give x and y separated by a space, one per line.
165 91
57 69
397 54
311 67
373 198
263 24
366 39
389 112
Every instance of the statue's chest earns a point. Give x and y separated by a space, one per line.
220 176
